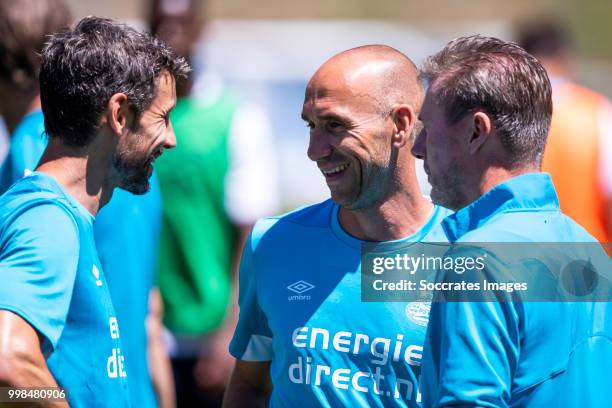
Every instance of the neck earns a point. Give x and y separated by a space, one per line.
80 171
21 104
494 176
399 216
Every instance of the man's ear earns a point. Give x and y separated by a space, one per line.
404 119
118 114
482 127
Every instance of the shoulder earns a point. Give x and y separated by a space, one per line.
535 226
30 203
42 236
288 225
43 214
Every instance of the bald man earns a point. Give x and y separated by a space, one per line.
304 338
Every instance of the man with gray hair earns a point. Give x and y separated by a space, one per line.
486 116
106 93
126 231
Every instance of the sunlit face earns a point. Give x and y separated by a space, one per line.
439 145
350 142
136 150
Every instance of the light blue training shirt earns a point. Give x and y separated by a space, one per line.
52 277
518 354
301 309
126 234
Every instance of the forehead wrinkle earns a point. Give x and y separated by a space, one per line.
355 83
324 90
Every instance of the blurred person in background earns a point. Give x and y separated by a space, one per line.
126 229
106 91
578 153
215 185
24 27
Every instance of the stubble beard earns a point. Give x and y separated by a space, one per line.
371 190
446 190
133 173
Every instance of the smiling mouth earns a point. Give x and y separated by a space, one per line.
336 170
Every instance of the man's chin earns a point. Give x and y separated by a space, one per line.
445 199
138 186
139 190
350 202
339 198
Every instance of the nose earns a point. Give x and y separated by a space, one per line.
418 148
170 140
319 147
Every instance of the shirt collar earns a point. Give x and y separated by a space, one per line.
527 191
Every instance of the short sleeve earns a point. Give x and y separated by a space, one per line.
252 339
39 252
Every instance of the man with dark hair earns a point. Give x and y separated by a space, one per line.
126 231
302 323
578 153
486 116
106 94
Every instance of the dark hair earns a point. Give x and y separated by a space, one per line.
501 79
24 27
81 69
543 38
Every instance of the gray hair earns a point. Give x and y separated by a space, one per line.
82 68
501 79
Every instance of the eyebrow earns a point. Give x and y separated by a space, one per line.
328 116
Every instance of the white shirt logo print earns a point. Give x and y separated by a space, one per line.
96 274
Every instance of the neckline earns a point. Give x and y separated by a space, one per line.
351 241
529 191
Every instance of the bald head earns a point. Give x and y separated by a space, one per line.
379 73
361 107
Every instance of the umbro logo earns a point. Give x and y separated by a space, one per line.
300 287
